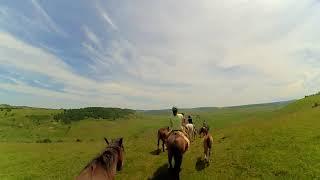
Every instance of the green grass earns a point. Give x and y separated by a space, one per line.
250 142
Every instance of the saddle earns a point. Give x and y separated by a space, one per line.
181 133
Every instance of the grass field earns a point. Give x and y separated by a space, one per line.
250 142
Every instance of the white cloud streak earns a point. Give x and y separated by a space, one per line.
47 18
108 20
104 15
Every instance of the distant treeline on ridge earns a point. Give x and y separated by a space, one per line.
69 115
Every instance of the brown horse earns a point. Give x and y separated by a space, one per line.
105 165
207 143
202 130
163 135
177 146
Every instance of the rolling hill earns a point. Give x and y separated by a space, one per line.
250 142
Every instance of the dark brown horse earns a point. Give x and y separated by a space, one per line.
177 145
207 143
105 165
163 135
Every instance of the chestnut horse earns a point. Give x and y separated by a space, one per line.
177 146
163 135
207 143
105 165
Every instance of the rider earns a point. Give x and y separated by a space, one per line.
184 122
204 124
176 121
190 120
177 124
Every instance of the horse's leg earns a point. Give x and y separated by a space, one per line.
162 145
209 154
170 159
193 134
205 152
158 142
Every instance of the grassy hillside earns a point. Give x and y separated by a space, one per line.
265 106
249 142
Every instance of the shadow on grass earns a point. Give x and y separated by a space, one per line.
155 152
163 173
201 164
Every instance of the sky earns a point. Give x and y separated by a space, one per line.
155 54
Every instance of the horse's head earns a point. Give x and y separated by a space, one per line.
118 144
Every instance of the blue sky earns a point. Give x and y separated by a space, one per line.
155 54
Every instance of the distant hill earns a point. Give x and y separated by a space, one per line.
273 105
194 110
279 104
5 106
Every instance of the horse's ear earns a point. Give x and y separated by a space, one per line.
120 141
105 139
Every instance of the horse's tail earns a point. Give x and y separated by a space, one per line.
177 155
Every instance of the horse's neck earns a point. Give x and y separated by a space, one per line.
113 168
110 171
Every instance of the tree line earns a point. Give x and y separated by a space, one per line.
69 115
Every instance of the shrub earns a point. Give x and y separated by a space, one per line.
38 118
47 140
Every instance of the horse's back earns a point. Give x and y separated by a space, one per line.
176 142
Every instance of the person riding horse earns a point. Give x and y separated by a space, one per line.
204 124
190 120
177 124
177 143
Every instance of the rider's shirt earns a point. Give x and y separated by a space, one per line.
176 122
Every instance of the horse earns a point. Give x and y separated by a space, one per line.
191 131
202 130
105 165
207 143
177 145
163 135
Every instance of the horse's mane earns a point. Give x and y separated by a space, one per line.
107 157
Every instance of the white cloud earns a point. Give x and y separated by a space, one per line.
226 53
28 59
91 36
